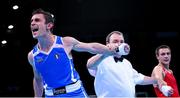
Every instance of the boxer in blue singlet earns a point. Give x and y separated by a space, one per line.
52 62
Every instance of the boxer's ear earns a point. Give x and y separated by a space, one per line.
50 26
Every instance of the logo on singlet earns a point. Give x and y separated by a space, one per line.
39 59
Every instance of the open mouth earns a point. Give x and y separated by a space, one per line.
34 28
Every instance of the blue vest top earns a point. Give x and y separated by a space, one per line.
55 67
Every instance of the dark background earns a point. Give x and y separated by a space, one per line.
145 24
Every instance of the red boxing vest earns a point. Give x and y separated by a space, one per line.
171 81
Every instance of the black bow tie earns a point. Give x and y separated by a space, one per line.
118 59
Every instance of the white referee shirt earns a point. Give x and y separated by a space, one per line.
115 79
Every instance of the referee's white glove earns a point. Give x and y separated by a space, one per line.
166 90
